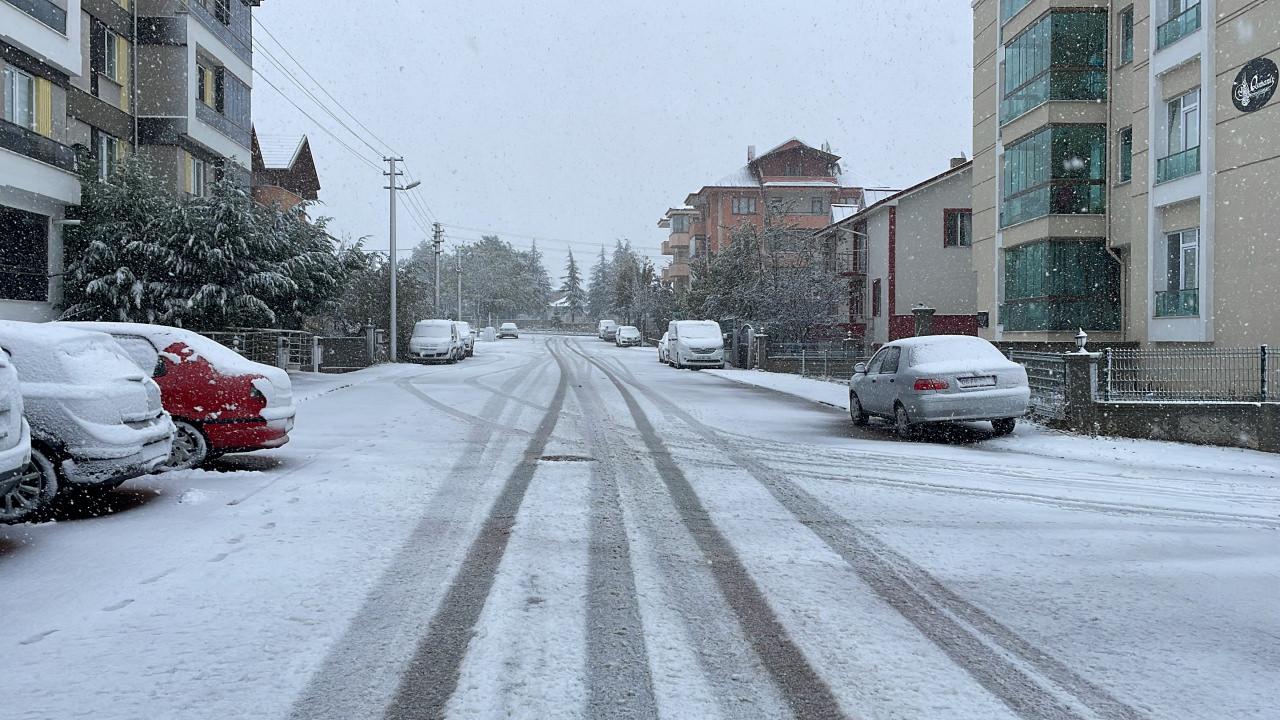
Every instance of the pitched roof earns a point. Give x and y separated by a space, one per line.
280 152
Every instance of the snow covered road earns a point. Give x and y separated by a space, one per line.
559 528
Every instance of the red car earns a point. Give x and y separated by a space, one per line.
220 401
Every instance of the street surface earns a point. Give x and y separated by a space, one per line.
559 528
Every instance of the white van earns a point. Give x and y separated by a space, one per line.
607 330
695 344
436 341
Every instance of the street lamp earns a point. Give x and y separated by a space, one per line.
392 187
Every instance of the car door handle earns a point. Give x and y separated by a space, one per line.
890 379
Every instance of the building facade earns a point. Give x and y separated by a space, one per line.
679 243
1124 170
284 171
911 249
40 53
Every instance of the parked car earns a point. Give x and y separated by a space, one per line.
468 338
19 482
435 341
627 336
96 419
695 344
663 357
508 330
220 402
607 329
939 378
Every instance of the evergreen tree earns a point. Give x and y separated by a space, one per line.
599 291
575 297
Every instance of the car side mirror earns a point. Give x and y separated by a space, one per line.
860 369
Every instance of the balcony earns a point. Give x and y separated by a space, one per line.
1178 165
1070 84
851 263
675 270
1178 27
1178 303
45 12
36 146
666 247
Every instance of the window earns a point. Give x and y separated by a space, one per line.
221 10
1126 35
1182 19
207 86
957 228
1009 8
1182 156
108 152
1059 170
1125 151
1181 295
889 365
195 178
817 206
875 298
680 224
24 266
877 361
793 169
1058 285
1063 56
744 206
19 98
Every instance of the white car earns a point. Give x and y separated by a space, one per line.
96 419
695 344
508 330
606 329
468 338
663 356
939 378
15 445
436 341
628 335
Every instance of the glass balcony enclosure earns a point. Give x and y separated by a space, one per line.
1060 170
1063 56
1180 24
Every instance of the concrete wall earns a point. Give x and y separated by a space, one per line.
928 273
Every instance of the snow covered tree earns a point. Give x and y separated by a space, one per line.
574 295
599 291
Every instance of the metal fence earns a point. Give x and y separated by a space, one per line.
1047 378
300 350
1191 375
818 359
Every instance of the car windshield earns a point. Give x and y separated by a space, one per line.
1046 231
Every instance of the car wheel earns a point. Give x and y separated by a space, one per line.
856 414
190 448
36 488
902 423
1004 426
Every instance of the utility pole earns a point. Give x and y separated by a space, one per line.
437 241
392 186
459 286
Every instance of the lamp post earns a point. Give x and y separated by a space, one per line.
393 187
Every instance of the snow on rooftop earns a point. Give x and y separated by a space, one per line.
841 212
279 152
742 177
801 183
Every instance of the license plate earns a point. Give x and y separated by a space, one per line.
977 381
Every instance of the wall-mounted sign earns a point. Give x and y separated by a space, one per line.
1255 84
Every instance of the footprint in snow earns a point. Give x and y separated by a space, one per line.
37 637
118 606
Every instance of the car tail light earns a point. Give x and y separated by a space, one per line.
923 384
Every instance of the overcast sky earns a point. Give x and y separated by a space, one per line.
581 123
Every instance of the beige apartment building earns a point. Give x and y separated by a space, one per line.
1126 173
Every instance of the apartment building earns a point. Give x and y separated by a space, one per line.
40 53
910 249
101 94
792 184
194 112
1125 170
679 221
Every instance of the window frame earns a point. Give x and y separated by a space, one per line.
13 79
1124 158
199 177
1124 44
1184 111
954 227
817 206
740 201
107 150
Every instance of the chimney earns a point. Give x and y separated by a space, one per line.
751 154
958 161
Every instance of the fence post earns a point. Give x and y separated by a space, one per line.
1080 391
802 359
1263 374
1106 385
315 353
371 343
762 351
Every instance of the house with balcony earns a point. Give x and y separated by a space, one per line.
679 221
793 184
284 171
1124 170
193 101
906 250
40 54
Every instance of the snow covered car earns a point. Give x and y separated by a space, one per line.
220 401
468 338
939 378
508 330
695 344
19 482
435 341
628 335
663 356
96 419
606 329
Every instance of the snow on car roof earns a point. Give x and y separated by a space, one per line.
41 335
221 356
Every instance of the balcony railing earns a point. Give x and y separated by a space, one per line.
44 11
36 146
1178 165
1178 303
1178 27
666 247
846 262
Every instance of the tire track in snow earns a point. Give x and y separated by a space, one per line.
805 691
359 674
618 681
994 655
431 676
